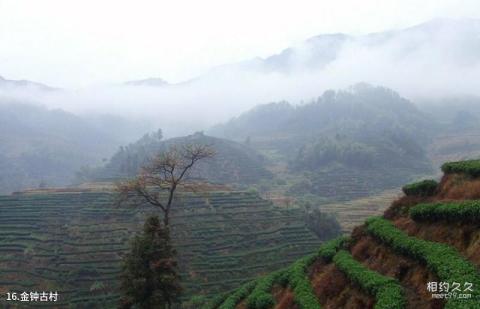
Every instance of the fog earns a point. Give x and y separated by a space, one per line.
434 60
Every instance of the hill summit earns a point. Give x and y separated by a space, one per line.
234 163
23 84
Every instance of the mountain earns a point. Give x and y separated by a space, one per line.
400 59
425 245
6 84
44 147
340 140
359 107
234 163
317 53
431 60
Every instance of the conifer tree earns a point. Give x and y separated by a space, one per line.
150 276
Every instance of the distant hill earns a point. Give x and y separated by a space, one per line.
361 107
363 130
456 112
43 147
317 52
400 58
233 163
428 235
7 84
407 46
458 136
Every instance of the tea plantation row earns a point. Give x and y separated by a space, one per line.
74 242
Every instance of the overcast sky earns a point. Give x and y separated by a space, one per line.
70 43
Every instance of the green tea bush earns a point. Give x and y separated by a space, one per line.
467 211
440 259
194 302
422 188
386 290
215 302
236 297
469 167
304 296
284 277
294 276
264 301
328 250
261 297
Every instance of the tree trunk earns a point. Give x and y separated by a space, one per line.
166 216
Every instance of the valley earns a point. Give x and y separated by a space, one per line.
240 155
249 218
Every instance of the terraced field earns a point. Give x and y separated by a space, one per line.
342 184
455 146
424 253
352 213
74 242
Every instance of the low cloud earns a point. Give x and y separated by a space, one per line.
434 60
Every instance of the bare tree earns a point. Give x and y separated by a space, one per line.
157 181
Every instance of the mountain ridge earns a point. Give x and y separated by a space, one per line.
319 51
23 83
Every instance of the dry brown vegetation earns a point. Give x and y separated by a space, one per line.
334 289
465 237
459 187
411 274
284 298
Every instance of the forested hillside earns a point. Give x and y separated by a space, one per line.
233 163
361 133
42 147
360 107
